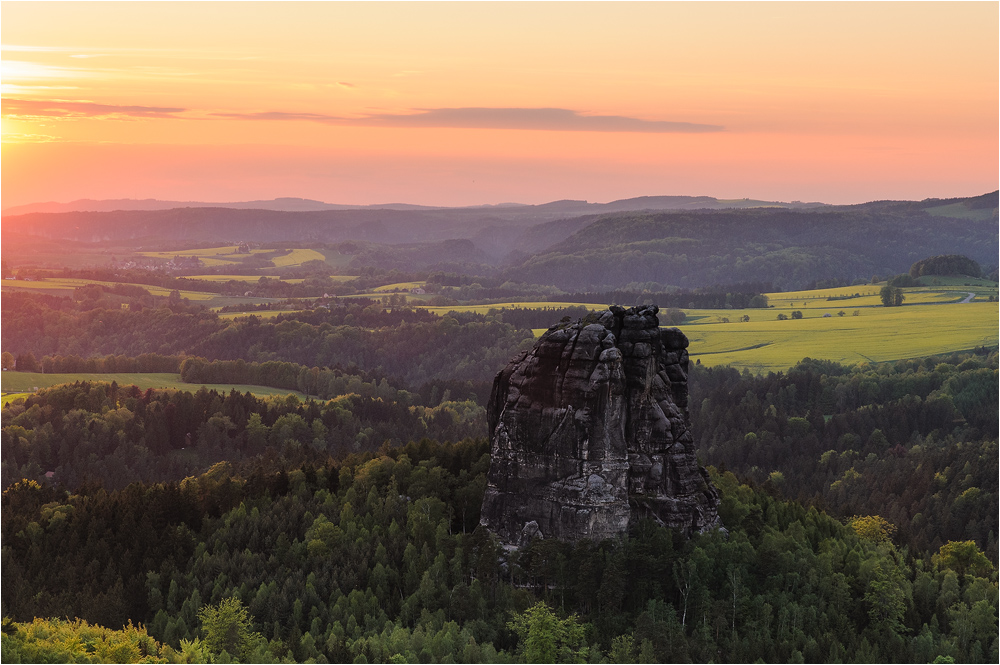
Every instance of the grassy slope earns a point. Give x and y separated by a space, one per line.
19 382
960 211
877 334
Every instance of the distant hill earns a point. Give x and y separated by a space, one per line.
287 204
684 241
788 248
496 230
292 204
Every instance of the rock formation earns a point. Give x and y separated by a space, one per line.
589 430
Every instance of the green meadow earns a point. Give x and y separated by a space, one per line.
399 286
63 286
20 383
297 257
228 255
874 335
484 309
262 314
931 321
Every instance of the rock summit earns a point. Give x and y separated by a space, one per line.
590 430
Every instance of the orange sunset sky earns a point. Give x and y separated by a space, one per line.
471 103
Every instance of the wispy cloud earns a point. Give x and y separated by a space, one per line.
33 108
551 119
281 115
547 119
30 138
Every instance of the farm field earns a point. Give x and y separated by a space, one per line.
10 397
876 335
227 255
933 320
960 211
336 259
484 309
867 296
236 278
297 257
209 256
400 286
262 314
27 382
225 250
65 286
60 286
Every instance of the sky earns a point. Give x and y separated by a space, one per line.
482 103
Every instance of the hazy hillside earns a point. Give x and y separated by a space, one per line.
670 240
785 247
496 228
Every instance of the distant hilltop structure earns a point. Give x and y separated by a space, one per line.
590 429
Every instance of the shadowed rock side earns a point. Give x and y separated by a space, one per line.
589 430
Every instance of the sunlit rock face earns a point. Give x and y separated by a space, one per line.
589 430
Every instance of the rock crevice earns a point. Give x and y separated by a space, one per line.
589 430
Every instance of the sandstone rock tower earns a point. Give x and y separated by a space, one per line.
590 429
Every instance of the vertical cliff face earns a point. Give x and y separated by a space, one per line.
590 429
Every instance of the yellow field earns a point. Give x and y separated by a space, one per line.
66 284
877 334
19 384
230 250
10 397
209 256
264 314
400 286
297 257
221 256
484 309
869 297
932 321
230 278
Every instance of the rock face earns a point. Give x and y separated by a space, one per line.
590 430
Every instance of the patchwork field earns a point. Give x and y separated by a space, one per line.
236 278
64 286
10 397
209 256
484 309
932 321
221 256
21 383
263 314
297 257
400 286
876 335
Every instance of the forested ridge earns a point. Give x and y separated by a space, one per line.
787 248
412 347
685 244
376 558
858 503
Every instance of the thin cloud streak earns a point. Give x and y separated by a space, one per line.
77 109
282 115
545 119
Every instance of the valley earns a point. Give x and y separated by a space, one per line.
311 414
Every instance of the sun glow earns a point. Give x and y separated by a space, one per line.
812 101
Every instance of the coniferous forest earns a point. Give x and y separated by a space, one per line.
858 507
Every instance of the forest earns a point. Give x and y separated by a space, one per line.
676 242
858 514
377 558
858 505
